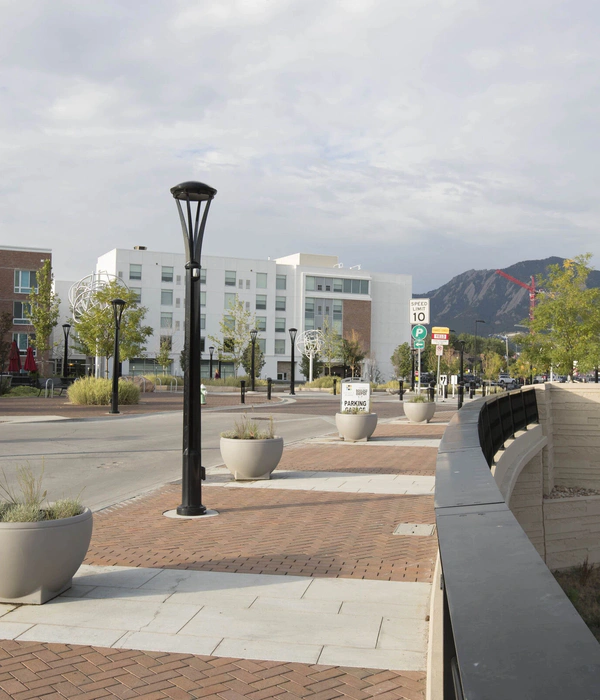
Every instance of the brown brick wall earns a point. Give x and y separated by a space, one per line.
357 317
11 260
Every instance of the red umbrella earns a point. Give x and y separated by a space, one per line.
30 365
14 358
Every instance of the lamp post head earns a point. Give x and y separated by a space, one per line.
66 329
193 192
66 326
293 332
211 350
479 321
253 334
118 306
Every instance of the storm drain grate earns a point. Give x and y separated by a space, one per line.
414 529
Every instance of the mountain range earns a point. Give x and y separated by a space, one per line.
487 296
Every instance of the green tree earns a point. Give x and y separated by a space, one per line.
183 360
95 328
235 327
317 366
401 361
332 344
259 359
352 351
567 316
43 311
492 364
6 324
163 356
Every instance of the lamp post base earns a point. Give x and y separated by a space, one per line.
191 510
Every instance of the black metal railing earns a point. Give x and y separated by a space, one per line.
510 633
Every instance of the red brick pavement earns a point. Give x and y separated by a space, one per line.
57 671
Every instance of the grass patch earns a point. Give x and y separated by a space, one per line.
91 391
232 381
19 391
247 429
164 379
582 586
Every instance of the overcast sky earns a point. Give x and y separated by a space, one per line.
425 137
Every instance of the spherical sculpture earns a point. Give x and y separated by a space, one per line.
309 343
82 293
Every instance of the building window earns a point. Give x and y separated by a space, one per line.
178 278
138 294
202 275
167 274
135 272
338 285
166 319
240 284
202 321
310 284
247 306
230 300
22 341
261 323
230 278
261 301
364 286
166 340
202 298
24 281
262 345
166 297
279 303
177 325
229 322
261 280
202 343
177 303
21 313
279 346
247 284
280 325
281 282
120 274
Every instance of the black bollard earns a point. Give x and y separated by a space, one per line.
431 392
445 391
461 393
334 386
471 390
401 390
243 391
269 388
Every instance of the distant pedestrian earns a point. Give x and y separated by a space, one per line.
217 375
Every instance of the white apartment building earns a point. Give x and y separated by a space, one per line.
295 291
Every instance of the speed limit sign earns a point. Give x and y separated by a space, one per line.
419 311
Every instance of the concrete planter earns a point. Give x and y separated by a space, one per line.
249 460
419 412
356 427
40 559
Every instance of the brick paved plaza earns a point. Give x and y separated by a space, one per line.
281 532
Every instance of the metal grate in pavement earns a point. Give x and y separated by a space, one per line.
414 529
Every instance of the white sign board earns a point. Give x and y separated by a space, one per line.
443 379
419 311
356 396
439 349
454 379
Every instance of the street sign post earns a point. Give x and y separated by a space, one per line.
439 350
419 332
419 344
440 335
419 311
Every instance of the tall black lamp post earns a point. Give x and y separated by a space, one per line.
476 322
66 330
210 355
462 355
293 332
192 226
118 306
253 334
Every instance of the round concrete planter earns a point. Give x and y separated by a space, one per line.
356 427
249 460
419 412
40 559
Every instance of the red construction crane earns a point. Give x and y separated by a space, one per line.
529 287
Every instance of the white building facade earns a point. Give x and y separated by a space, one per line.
297 291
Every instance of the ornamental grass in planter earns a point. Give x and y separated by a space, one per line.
249 452
355 425
419 409
42 544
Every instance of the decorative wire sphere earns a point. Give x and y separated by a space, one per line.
82 293
309 343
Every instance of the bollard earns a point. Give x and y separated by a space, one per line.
471 390
243 390
461 393
269 388
401 390
431 392
334 386
445 391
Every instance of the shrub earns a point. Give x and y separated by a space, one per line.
90 391
322 383
20 391
249 430
164 379
419 398
232 381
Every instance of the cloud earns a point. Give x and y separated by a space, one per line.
424 137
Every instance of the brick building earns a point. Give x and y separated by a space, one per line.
18 268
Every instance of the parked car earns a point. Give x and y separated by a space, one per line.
504 379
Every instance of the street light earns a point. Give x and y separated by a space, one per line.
476 322
293 332
66 330
253 334
193 232
118 306
210 354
